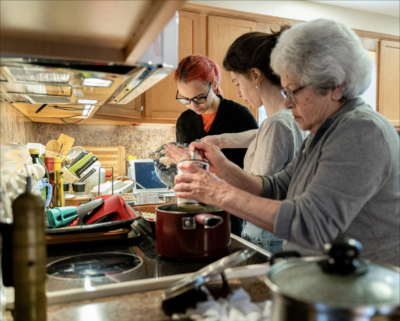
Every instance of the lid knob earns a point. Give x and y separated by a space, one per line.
343 254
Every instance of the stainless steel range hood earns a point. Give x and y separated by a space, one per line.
52 81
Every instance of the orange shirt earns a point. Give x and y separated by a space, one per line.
208 120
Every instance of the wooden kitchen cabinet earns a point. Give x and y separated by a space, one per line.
160 103
388 85
222 32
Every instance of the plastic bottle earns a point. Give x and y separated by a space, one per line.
35 160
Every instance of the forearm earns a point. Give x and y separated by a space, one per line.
261 212
238 140
241 179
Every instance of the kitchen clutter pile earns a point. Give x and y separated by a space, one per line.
236 307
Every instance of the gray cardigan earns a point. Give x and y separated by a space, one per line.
344 181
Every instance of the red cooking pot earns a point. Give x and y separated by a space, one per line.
192 234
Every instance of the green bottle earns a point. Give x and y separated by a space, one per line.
36 160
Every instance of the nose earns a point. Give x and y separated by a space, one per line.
289 103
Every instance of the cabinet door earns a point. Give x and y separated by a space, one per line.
389 87
160 103
222 32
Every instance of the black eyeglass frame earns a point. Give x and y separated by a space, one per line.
291 93
194 99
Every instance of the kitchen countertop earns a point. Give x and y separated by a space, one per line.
145 306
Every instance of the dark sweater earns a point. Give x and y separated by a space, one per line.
231 118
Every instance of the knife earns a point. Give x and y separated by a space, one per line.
77 159
72 169
79 171
93 170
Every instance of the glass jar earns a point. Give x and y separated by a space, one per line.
79 188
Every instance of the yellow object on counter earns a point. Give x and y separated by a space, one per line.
57 164
130 157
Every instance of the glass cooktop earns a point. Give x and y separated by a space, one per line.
86 265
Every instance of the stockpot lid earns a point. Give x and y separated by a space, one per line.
338 280
204 275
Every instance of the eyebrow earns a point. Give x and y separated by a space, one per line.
199 95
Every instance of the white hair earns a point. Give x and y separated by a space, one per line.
324 54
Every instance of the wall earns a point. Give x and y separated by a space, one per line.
15 127
305 11
138 140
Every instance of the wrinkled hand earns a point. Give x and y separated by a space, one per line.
214 140
198 184
177 153
213 155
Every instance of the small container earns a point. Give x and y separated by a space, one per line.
66 188
187 203
56 164
147 197
48 162
79 188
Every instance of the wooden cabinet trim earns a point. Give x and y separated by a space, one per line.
192 7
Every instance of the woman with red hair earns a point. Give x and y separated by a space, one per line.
198 83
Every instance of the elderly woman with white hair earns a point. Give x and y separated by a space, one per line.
345 179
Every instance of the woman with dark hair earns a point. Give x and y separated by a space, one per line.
198 83
274 145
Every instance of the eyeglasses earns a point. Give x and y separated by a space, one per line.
291 93
196 100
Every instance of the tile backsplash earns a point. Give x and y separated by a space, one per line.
15 127
138 141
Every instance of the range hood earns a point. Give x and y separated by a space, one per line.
65 82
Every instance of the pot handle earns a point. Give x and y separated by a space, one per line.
209 221
283 255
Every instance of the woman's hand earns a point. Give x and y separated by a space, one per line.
213 155
177 153
198 184
214 140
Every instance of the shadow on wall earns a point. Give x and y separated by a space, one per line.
138 141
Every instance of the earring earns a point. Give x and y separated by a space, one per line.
258 86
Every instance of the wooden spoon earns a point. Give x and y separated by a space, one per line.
68 143
52 148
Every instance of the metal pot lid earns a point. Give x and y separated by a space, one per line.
207 273
338 280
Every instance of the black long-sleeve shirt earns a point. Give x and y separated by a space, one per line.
231 118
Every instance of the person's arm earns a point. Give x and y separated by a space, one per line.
354 163
205 187
232 140
274 149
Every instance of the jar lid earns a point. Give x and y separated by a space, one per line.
49 159
207 273
66 187
34 151
78 187
57 159
338 280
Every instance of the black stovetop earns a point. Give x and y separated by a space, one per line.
102 266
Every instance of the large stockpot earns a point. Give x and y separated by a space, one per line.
335 287
196 234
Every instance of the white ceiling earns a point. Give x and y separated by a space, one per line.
390 8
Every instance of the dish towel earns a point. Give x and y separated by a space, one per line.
236 307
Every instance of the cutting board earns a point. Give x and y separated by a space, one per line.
110 156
